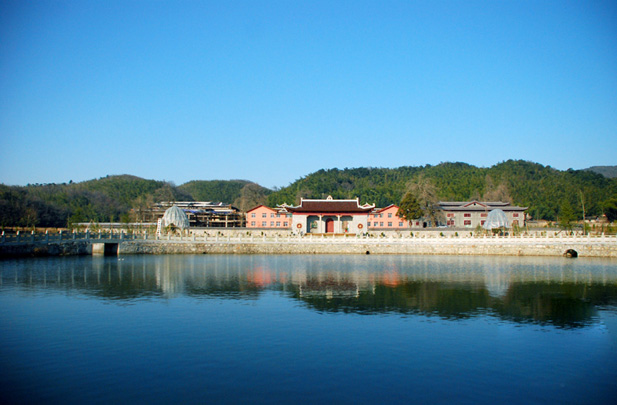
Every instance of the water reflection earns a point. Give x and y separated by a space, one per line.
563 293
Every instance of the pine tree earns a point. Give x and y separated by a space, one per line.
566 215
410 208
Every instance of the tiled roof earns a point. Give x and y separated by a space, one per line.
330 205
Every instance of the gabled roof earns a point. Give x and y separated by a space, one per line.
385 208
259 206
475 204
478 206
330 205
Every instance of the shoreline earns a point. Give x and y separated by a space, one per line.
605 247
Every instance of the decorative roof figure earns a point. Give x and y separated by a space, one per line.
496 219
175 216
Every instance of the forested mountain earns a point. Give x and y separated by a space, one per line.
541 188
111 198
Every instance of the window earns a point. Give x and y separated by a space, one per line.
253 223
467 222
400 224
278 215
285 224
375 224
264 215
381 224
515 215
253 215
484 215
450 215
272 215
482 223
389 223
278 223
264 223
272 223
389 215
467 215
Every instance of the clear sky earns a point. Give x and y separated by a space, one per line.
271 91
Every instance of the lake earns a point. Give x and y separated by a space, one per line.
308 329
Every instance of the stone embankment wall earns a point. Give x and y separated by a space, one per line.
428 246
584 246
66 248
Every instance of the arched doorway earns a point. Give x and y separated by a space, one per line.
329 225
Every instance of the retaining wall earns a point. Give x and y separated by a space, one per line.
489 246
67 248
494 246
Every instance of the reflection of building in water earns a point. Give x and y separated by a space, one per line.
497 281
333 284
261 277
560 293
168 279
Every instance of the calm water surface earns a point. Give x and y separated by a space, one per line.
308 329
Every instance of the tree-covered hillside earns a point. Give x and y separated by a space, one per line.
110 198
541 188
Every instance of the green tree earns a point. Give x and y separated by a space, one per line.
410 208
610 209
566 215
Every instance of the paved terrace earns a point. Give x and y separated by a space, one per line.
240 242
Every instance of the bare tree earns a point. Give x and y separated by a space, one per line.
498 192
427 195
251 195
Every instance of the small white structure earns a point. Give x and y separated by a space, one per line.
496 219
175 216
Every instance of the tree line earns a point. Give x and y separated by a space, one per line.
112 199
545 190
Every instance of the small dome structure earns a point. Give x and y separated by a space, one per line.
175 216
496 219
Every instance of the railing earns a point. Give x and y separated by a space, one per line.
47 237
32 237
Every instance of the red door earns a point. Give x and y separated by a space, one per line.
329 226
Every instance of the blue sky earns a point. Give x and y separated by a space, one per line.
271 91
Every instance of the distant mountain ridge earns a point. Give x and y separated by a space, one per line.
541 188
606 171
